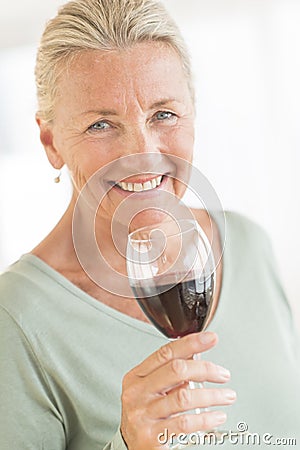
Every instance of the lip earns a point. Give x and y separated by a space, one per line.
145 194
141 179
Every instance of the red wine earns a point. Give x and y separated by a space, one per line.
178 309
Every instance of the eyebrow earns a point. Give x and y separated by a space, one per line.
102 112
162 102
113 112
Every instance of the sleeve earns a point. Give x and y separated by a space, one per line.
30 419
117 443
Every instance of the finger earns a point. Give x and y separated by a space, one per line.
180 349
184 399
189 423
178 371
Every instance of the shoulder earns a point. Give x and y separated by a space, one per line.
25 291
244 225
244 233
239 237
18 306
18 279
237 226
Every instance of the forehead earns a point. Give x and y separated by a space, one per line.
145 70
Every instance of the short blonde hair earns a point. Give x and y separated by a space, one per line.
105 25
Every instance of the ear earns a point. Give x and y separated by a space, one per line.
46 138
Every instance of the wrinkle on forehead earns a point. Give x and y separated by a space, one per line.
123 79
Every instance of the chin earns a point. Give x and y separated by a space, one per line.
147 218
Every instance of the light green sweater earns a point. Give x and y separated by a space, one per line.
63 354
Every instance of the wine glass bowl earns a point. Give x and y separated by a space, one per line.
171 272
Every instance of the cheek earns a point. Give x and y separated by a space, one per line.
181 142
181 146
88 159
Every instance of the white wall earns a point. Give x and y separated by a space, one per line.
247 71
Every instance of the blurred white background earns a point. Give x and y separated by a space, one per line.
246 58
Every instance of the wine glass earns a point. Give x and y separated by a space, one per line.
171 271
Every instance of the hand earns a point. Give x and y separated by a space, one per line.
157 389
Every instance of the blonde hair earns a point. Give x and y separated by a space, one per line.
105 25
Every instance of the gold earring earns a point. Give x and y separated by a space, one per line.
57 178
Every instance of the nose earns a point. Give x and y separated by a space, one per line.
141 151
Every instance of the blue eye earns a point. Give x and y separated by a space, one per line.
163 115
100 125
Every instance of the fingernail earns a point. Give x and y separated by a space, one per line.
220 417
224 373
207 337
230 395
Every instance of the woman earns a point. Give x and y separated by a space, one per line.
114 81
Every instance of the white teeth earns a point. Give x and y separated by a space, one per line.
153 183
147 185
139 187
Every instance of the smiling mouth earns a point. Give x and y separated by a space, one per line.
140 187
